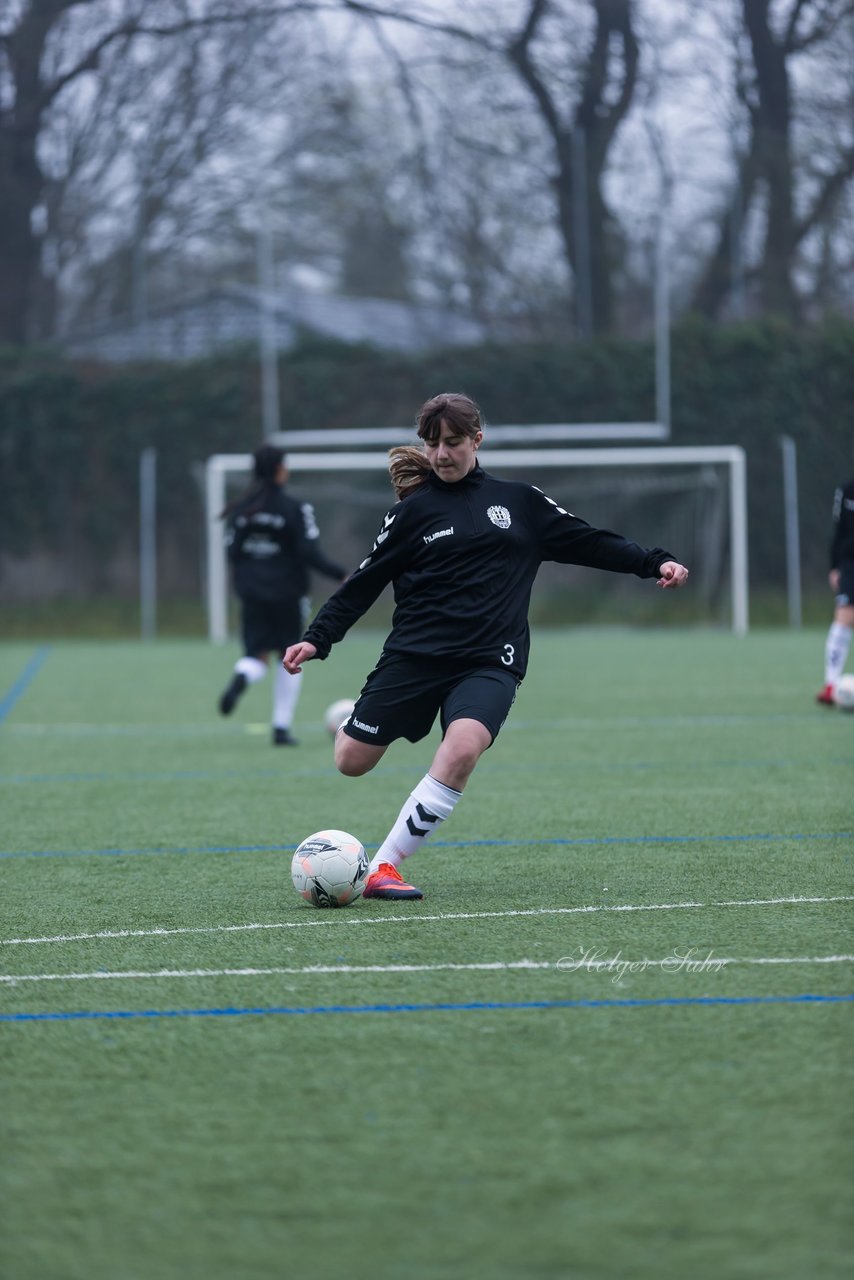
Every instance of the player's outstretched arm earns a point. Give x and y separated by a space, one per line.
672 574
296 655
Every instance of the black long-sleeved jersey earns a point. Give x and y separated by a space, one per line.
842 543
463 558
272 541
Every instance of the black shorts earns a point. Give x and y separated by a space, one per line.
270 627
403 695
845 594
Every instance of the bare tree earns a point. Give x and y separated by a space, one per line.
48 48
581 102
582 139
770 175
490 154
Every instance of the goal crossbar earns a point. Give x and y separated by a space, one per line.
219 465
506 433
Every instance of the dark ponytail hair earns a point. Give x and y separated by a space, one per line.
408 469
266 461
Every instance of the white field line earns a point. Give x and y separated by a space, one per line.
328 918
716 962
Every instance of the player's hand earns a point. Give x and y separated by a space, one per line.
833 579
672 574
296 655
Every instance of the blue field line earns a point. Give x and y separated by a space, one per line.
468 1006
207 775
24 681
171 775
559 841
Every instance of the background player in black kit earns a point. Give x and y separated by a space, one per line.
842 585
272 542
462 550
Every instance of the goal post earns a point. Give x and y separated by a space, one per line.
729 457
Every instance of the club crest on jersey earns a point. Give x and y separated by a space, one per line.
499 516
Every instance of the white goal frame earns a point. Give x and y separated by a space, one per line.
219 465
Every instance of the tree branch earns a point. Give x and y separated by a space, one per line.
823 27
824 201
518 52
798 7
136 27
444 28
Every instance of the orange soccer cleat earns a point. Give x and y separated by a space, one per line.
826 696
387 882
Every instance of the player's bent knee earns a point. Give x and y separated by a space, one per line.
353 768
353 758
461 748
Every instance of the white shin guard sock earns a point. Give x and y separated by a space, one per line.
426 809
286 691
836 651
253 668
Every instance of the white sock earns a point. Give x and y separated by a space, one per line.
286 690
836 651
253 668
427 807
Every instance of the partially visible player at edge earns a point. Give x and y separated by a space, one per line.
841 580
462 550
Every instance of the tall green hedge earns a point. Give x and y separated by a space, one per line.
71 434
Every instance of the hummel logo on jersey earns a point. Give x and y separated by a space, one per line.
499 516
443 533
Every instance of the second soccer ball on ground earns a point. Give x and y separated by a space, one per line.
337 713
843 694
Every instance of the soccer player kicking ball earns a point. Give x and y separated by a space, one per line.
462 550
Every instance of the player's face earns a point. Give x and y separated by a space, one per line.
452 455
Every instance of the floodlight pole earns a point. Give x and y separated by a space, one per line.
737 247
581 217
662 283
139 286
267 331
662 318
148 543
793 539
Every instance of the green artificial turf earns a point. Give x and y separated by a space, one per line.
574 1058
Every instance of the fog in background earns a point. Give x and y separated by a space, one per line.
517 161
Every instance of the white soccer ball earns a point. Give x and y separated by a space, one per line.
330 868
337 713
843 694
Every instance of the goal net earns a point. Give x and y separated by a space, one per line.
692 501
